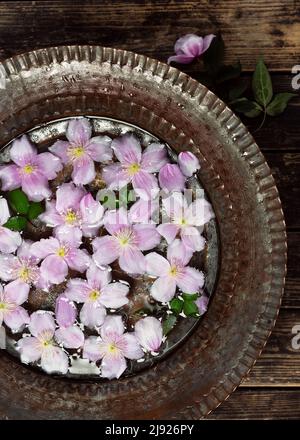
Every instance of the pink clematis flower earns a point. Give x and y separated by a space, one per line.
22 267
30 170
186 220
149 333
172 272
125 243
41 345
9 240
69 335
112 347
81 150
96 293
171 178
188 163
58 257
135 166
73 214
11 297
189 47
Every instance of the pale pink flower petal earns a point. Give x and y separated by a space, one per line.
97 277
115 219
51 217
60 149
79 131
92 213
199 212
4 211
202 304
114 176
171 178
10 177
54 360
154 157
8 263
24 251
49 165
106 250
192 238
178 251
30 349
83 170
113 326
54 269
65 311
68 196
69 234
46 246
132 261
99 148
163 289
156 265
22 151
113 365
9 240
145 185
17 318
168 231
176 206
147 236
181 59
114 295
131 348
191 280
149 333
35 186
78 259
42 323
92 348
127 149
70 337
188 163
17 292
142 210
92 314
77 290
189 47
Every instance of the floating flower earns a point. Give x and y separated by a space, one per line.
135 166
149 333
81 150
188 163
171 178
68 334
73 214
172 272
30 170
125 243
186 220
189 47
112 347
41 345
9 240
58 257
97 292
11 297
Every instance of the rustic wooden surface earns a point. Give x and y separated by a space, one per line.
249 28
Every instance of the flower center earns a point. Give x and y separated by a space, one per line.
133 169
173 271
94 295
24 274
112 348
76 152
2 306
71 217
183 222
61 252
125 237
47 343
28 169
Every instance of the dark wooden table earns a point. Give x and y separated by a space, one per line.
249 28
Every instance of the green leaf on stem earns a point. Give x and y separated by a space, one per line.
18 201
35 209
168 324
279 103
247 107
16 223
190 308
176 305
262 84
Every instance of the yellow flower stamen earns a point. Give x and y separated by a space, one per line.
61 252
94 295
24 274
2 306
76 152
133 169
28 169
112 348
70 217
173 271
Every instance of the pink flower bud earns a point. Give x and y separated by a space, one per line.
188 163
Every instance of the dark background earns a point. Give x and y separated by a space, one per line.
249 28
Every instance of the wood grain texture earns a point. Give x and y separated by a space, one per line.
152 27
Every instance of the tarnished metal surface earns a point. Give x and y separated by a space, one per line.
55 83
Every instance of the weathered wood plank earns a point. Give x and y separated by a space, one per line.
151 28
291 297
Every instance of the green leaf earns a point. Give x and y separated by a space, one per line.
279 103
262 84
237 91
16 223
189 296
168 324
214 56
18 201
176 305
190 308
229 72
249 108
35 209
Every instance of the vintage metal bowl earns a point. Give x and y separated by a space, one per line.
56 83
